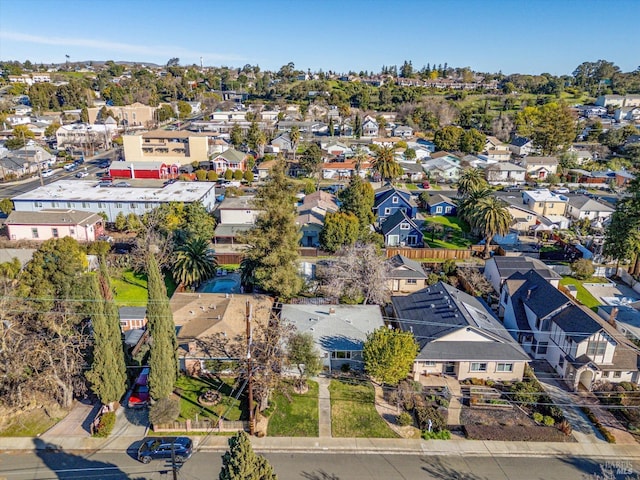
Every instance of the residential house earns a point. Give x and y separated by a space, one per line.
400 230
238 210
625 318
178 147
86 136
264 167
528 303
46 224
585 350
521 146
505 173
457 335
412 171
344 170
523 218
18 163
336 148
132 318
619 100
389 200
496 150
369 127
283 142
230 159
544 202
405 275
84 195
135 115
403 131
338 331
200 318
581 206
540 167
627 114
499 268
441 205
446 168
311 214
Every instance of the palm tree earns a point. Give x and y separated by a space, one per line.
385 164
194 262
294 135
491 217
471 180
467 204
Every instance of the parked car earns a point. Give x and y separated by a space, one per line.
79 161
104 164
180 448
561 190
47 173
69 167
426 185
82 174
105 183
139 397
122 184
143 376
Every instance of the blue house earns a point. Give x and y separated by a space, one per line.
400 230
390 200
441 205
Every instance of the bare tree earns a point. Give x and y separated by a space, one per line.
502 127
359 271
475 281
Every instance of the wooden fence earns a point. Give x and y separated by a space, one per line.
228 258
205 425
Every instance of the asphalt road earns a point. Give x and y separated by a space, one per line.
9 191
206 465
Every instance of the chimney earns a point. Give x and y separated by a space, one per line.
612 317
332 311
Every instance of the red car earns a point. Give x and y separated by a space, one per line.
139 397
426 185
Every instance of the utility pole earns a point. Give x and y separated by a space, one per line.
249 369
174 467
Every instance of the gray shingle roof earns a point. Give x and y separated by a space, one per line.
53 217
394 220
507 266
403 267
133 313
537 294
438 310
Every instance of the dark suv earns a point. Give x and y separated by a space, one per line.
160 447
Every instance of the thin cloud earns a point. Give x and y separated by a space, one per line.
125 48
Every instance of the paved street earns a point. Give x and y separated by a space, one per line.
206 465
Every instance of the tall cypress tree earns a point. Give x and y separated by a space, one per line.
108 371
163 360
271 259
240 462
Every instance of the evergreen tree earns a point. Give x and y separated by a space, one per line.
240 462
272 252
389 354
108 371
358 199
163 360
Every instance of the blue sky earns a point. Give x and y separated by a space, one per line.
523 36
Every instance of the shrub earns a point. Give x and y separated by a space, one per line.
184 177
345 368
582 269
106 424
549 421
424 413
404 419
228 174
565 427
164 411
201 175
601 428
248 176
238 175
449 267
441 435
212 175
538 417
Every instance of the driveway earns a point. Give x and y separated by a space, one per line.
583 430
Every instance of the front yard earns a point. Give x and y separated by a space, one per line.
189 389
293 414
447 232
353 413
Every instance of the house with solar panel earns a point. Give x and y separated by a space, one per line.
458 335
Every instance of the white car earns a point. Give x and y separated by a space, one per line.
561 190
82 174
47 173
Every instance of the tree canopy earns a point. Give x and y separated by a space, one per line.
389 354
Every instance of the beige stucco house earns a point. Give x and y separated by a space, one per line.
170 147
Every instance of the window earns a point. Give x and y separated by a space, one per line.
72 231
541 205
438 209
54 232
412 281
478 367
605 374
100 205
596 348
617 374
387 211
34 233
429 363
561 362
504 367
118 205
68 204
404 226
551 205
133 206
341 354
394 200
542 347
55 204
447 209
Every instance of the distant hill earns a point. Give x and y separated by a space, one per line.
102 62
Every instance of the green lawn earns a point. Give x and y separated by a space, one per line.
452 237
191 388
131 288
353 413
583 294
295 417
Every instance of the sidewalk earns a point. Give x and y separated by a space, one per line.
324 407
397 446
